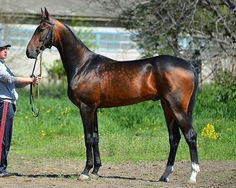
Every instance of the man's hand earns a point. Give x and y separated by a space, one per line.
36 80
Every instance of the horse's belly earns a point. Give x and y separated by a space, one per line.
123 102
125 91
126 96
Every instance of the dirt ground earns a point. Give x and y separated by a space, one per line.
65 173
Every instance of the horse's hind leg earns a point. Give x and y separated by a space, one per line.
191 139
184 120
174 138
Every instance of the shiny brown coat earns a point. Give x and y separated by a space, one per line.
95 81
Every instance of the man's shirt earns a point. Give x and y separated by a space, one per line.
7 84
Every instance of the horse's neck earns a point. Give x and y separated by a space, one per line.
72 51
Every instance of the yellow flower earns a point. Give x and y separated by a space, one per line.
209 132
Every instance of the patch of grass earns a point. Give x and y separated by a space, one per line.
131 133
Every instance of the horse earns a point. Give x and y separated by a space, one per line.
96 81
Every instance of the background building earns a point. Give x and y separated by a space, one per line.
20 18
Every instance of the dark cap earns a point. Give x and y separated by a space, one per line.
4 44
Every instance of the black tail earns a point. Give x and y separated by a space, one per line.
192 100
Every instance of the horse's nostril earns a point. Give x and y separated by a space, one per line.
31 54
37 51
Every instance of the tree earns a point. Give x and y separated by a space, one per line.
180 27
183 27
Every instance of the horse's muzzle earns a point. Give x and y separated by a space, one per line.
32 54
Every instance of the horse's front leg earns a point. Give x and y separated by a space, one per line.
96 153
88 118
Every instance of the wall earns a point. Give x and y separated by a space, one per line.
114 43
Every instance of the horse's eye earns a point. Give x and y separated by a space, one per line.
40 29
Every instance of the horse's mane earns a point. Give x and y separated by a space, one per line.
75 37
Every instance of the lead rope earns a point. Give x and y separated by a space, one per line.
34 109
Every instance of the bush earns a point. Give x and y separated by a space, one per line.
56 72
225 83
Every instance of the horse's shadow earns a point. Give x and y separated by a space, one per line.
128 178
76 176
47 175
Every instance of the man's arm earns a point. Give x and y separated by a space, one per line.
24 81
19 81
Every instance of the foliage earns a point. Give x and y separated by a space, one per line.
56 71
225 85
182 27
54 89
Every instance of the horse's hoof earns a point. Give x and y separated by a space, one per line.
192 181
94 176
83 177
164 179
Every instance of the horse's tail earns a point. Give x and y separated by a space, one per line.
192 99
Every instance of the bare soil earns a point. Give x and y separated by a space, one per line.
44 173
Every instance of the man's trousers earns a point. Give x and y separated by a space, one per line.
7 110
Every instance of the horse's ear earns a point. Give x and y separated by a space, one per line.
43 14
46 13
42 11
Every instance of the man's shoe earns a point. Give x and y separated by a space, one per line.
5 174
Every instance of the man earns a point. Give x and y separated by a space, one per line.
8 97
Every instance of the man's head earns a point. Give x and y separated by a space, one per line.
3 49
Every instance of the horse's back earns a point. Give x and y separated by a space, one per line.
166 62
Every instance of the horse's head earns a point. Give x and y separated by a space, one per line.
42 37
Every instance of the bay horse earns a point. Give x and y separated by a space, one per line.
96 81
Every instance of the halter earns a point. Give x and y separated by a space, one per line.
34 109
49 37
47 40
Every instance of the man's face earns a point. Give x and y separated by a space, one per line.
3 53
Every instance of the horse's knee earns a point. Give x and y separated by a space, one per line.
89 141
174 140
96 139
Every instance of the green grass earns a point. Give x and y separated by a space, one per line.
131 133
